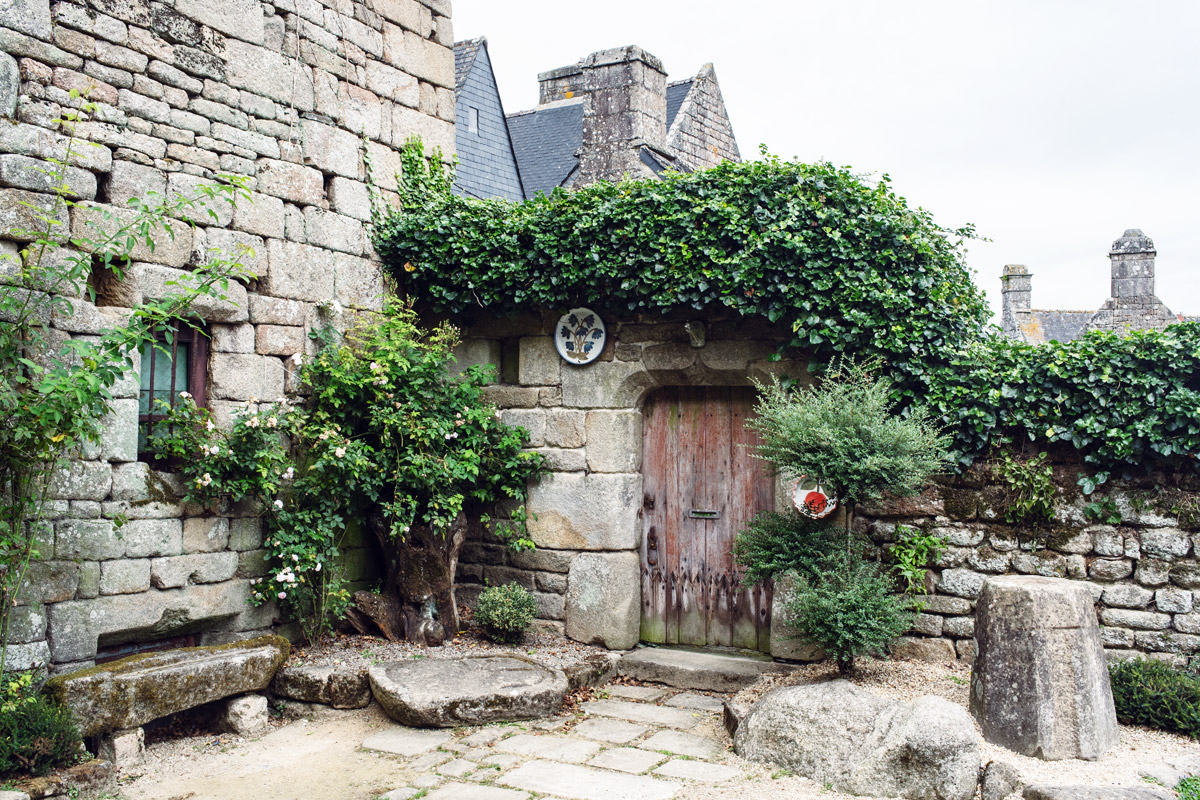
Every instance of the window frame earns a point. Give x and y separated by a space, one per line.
190 333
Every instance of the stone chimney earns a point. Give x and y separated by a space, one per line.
1016 291
1133 305
625 109
1132 258
563 83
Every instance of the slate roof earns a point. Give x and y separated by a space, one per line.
1059 326
676 92
464 59
546 141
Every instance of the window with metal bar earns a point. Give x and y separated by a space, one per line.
170 365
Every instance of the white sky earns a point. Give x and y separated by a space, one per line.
1051 125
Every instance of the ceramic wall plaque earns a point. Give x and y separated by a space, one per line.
812 499
579 336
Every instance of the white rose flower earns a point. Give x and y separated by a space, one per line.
279 504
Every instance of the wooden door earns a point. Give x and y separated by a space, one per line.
702 484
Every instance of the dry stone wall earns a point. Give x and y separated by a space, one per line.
1143 573
290 94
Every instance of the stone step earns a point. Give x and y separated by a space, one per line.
705 670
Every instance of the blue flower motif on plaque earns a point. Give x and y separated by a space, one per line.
579 336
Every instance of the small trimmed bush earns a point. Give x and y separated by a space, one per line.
773 544
1156 694
850 609
505 612
36 734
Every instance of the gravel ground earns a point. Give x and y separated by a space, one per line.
1140 749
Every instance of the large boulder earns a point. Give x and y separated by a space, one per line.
133 691
858 743
1039 684
449 692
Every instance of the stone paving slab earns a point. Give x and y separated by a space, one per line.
584 783
698 771
647 694
627 759
488 735
700 702
684 744
692 669
556 748
469 791
641 712
407 742
614 731
457 768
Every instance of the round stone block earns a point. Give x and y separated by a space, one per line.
449 692
1039 683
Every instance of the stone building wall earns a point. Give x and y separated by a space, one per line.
1143 573
587 423
288 93
702 135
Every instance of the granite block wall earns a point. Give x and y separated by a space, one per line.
290 94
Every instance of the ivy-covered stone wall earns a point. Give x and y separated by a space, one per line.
1133 542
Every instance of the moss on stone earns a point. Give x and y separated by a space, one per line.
960 504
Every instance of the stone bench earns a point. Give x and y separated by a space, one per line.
128 693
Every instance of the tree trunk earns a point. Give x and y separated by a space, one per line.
418 583
846 666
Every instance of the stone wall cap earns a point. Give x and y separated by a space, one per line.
1016 269
1133 241
621 55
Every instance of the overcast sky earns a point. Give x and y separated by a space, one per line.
1053 126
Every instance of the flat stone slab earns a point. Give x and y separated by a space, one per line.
700 702
627 759
614 731
647 694
641 712
470 791
407 742
683 744
555 748
585 783
690 669
132 691
449 692
1044 792
700 771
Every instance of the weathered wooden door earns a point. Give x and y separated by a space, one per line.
702 483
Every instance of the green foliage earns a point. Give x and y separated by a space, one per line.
843 431
1154 693
772 544
387 431
915 551
1103 510
844 266
55 396
1031 490
1188 788
849 609
36 734
505 612
1121 400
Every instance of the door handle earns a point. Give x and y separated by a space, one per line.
652 547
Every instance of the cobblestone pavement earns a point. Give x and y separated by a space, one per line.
635 742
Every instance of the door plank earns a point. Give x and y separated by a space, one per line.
655 466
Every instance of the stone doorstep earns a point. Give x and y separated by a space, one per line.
642 713
694 669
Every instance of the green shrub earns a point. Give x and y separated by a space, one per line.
772 544
1189 788
505 612
36 734
850 609
1156 694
